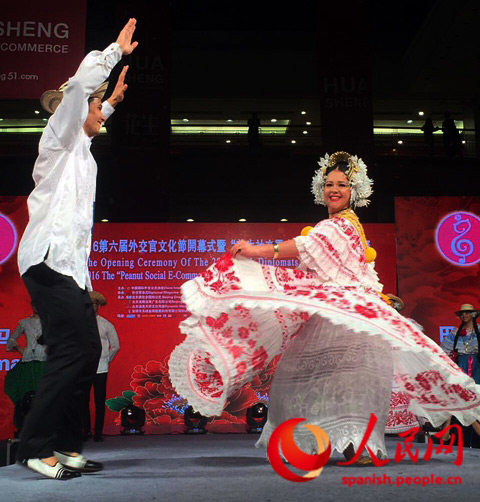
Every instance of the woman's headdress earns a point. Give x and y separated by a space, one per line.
356 173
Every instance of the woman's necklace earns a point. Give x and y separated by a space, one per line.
348 214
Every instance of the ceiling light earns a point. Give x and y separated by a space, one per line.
400 142
190 220
409 121
308 123
185 120
293 141
104 220
242 220
36 112
273 120
463 141
305 132
229 120
421 114
284 219
228 141
303 112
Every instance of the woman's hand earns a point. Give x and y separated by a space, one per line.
243 248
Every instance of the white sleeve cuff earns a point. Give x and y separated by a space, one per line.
107 109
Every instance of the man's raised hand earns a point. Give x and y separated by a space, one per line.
119 92
124 39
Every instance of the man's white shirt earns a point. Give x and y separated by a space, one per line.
61 204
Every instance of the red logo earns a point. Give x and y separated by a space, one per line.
8 238
458 238
282 439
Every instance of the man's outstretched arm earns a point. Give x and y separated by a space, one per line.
93 71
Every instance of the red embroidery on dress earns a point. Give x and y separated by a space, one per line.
259 358
221 277
366 311
207 380
217 323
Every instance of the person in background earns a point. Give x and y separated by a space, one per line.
31 327
110 347
451 137
24 377
253 132
428 129
462 346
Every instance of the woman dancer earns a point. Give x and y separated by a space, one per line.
341 342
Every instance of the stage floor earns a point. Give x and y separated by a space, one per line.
227 467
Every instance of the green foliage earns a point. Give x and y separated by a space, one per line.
119 402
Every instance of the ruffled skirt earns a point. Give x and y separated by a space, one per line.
335 381
340 345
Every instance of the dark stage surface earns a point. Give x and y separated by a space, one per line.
228 468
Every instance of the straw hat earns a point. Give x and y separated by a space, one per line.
51 99
396 300
96 296
467 307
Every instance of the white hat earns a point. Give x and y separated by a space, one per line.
51 99
467 307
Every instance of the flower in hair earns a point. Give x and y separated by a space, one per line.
356 173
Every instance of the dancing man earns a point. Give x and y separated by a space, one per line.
53 261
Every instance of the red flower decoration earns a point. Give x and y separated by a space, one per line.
224 263
243 332
217 323
153 392
299 274
241 368
259 358
236 351
207 275
420 378
366 312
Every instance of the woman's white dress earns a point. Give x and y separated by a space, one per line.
341 343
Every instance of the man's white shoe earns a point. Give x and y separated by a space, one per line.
57 471
78 462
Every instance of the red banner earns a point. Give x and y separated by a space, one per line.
140 268
438 255
41 46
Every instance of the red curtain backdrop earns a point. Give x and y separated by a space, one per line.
140 268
